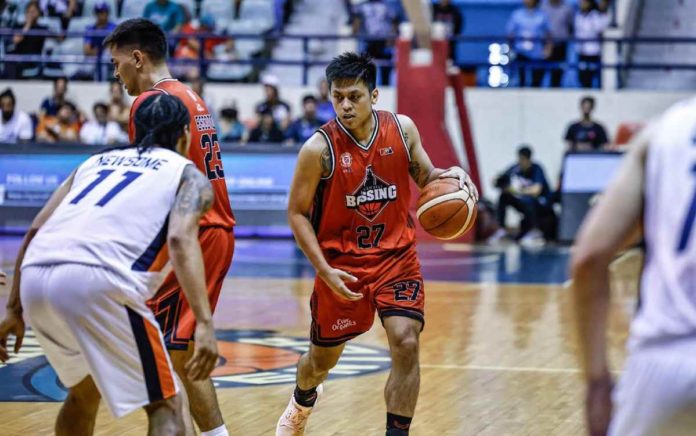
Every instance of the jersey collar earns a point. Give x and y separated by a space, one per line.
372 137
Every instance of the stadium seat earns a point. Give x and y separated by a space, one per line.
132 8
246 47
260 12
220 9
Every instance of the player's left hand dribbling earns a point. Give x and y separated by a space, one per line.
205 354
12 324
464 180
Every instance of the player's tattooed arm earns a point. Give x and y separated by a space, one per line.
195 193
326 162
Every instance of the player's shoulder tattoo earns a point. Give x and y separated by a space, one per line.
326 161
195 194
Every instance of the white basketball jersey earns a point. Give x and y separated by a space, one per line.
668 288
115 216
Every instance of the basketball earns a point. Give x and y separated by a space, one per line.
445 210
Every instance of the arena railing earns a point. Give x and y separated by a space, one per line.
305 60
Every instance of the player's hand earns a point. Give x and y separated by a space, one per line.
336 280
464 180
598 405
12 324
205 353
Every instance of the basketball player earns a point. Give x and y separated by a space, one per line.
138 51
655 191
349 212
95 254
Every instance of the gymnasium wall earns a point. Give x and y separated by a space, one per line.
500 119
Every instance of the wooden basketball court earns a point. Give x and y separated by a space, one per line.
497 354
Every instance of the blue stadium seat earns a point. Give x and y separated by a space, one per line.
220 9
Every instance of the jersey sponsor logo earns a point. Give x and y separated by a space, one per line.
386 151
342 324
204 122
372 196
346 160
247 358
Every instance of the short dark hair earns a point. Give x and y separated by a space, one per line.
308 98
141 33
7 93
100 104
60 79
229 112
524 151
160 121
69 105
351 65
587 99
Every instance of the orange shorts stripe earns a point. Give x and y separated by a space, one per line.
163 369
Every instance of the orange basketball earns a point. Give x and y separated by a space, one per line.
445 210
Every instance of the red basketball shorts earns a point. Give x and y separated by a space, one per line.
169 304
392 285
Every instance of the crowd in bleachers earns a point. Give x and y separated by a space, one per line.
38 27
60 120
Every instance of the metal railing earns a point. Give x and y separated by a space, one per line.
305 60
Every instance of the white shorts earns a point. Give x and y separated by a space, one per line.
88 325
656 394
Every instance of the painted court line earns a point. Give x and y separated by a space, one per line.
502 368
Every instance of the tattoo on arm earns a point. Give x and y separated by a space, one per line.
326 162
414 169
195 194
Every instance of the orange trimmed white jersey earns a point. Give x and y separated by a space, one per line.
115 216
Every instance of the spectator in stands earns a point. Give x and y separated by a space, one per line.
64 127
524 187
101 131
561 17
119 110
325 110
375 19
529 30
9 14
590 23
16 125
302 128
273 104
23 44
50 105
93 43
450 15
231 129
190 48
166 14
63 9
586 134
267 130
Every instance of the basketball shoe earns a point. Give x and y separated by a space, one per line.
294 419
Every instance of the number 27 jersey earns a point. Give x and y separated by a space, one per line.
204 149
362 207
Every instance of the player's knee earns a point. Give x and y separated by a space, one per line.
405 344
84 395
167 416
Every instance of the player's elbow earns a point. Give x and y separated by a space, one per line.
588 259
179 241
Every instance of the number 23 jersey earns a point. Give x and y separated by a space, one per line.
204 149
362 206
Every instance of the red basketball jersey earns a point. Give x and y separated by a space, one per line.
204 149
362 207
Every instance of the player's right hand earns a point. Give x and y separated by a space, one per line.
12 324
205 353
336 280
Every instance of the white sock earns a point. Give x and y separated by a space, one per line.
220 431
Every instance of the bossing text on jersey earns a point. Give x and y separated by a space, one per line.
372 196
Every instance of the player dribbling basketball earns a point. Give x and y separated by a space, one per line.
349 212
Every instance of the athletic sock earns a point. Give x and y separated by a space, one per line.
220 431
305 398
398 425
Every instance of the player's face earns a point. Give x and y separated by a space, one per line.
127 63
352 102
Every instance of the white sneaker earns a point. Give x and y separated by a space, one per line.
294 419
497 236
533 239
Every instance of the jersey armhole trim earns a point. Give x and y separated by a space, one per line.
331 150
403 137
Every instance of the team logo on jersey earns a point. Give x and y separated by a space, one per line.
346 160
372 196
386 151
247 358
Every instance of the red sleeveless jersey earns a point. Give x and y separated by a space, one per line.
362 207
204 149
